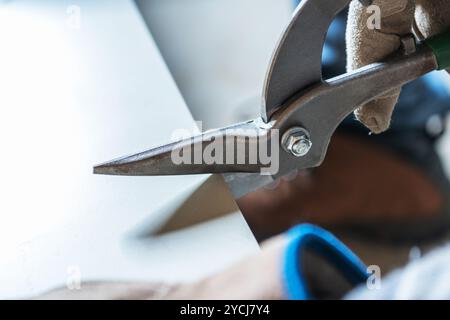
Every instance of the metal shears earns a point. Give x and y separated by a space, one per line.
300 110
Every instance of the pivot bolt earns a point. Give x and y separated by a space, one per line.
296 141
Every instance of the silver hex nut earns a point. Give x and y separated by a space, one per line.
296 141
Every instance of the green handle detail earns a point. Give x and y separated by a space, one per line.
440 44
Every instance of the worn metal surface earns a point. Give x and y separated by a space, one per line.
240 138
322 108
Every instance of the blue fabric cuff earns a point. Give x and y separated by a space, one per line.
324 244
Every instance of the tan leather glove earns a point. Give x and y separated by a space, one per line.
366 45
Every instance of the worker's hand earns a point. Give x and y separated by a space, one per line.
366 44
255 277
261 276
109 291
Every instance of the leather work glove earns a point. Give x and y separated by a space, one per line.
366 45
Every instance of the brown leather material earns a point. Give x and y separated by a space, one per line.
358 184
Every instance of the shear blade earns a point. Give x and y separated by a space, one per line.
297 61
219 151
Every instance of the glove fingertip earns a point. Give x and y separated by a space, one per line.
374 123
376 115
